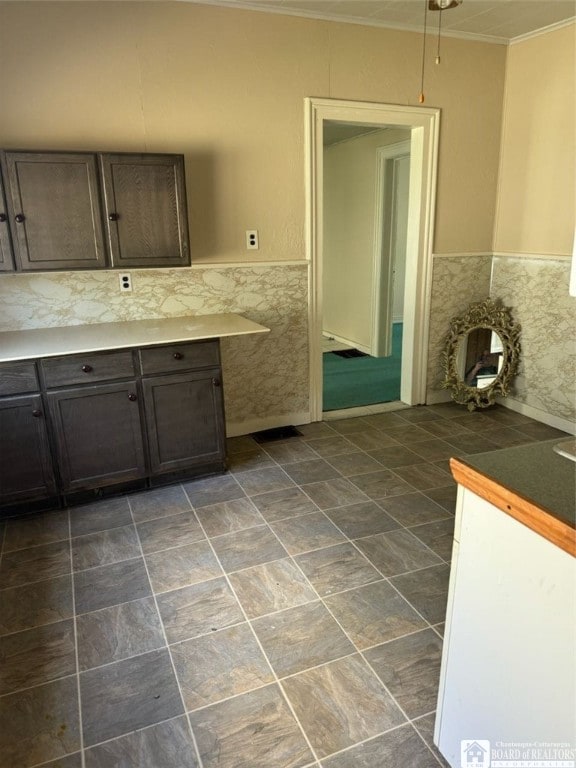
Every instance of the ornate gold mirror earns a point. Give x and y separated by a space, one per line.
482 354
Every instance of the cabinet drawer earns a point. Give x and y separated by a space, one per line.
87 369
18 378
179 357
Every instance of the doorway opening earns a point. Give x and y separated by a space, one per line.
405 142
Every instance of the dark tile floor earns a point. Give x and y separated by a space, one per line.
286 614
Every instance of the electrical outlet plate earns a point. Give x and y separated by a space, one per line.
125 281
252 239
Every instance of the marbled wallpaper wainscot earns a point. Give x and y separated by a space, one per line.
265 376
457 281
537 291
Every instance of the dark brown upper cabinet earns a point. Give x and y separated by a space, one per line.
145 210
6 260
54 210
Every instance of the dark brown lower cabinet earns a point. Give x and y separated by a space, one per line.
27 471
98 435
127 418
185 420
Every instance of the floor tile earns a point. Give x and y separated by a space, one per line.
414 508
104 548
128 695
425 727
39 724
70 761
439 536
507 437
301 534
426 590
396 552
220 665
407 434
435 450
246 549
37 563
424 476
334 493
475 422
316 429
229 516
271 587
289 502
158 502
256 729
371 440
182 566
168 745
33 605
393 456
506 417
331 446
333 569
345 426
445 496
263 480
410 668
400 747
418 415
373 614
354 463
311 471
363 519
300 638
36 656
198 610
383 421
471 443
32 530
340 704
115 633
290 451
110 585
244 462
213 490
168 532
99 516
241 444
445 428
381 484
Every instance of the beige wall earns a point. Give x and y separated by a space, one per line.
350 176
536 193
226 88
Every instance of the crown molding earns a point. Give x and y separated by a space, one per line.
543 31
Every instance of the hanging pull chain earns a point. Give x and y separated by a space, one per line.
421 96
439 31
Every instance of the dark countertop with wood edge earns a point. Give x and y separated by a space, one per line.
531 483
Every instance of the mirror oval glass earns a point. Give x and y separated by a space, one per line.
480 357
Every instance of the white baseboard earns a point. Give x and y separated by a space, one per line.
238 428
535 413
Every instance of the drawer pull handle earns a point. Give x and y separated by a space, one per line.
36 413
3 217
216 382
113 216
20 218
177 355
87 368
132 397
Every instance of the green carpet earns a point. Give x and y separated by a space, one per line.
354 381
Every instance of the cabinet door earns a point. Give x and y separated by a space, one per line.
145 200
185 420
98 435
6 260
26 467
55 210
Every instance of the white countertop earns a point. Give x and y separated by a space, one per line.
73 339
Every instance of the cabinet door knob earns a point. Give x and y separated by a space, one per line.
20 218
87 368
177 355
36 413
113 216
3 217
216 382
132 397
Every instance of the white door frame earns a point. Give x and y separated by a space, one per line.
424 125
384 239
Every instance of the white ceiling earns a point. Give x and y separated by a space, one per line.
500 21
